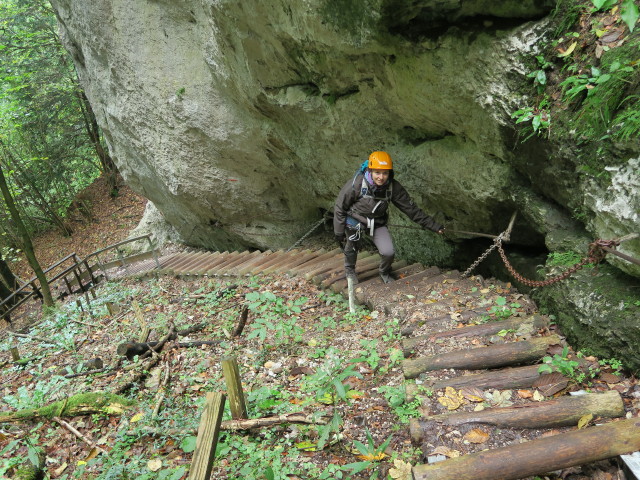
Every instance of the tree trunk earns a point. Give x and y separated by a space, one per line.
108 167
558 412
26 239
484 357
539 456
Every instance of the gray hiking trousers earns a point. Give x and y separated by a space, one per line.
381 238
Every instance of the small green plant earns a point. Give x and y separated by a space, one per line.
540 118
502 311
539 76
613 363
370 353
562 364
370 455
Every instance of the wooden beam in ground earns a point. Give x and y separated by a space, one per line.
495 356
539 456
410 345
203 456
558 412
231 374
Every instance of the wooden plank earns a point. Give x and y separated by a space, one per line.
231 374
539 456
203 456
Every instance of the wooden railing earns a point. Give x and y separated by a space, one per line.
84 273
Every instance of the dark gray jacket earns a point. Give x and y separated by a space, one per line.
353 202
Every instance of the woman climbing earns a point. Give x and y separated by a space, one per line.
362 208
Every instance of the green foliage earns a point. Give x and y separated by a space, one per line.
369 451
564 365
277 318
540 118
503 311
46 153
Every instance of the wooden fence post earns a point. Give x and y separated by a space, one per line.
234 388
208 431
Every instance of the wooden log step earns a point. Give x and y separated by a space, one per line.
302 260
235 270
373 274
272 259
203 265
303 268
386 290
222 261
214 262
332 263
517 377
194 259
494 356
291 261
420 320
338 270
539 456
558 412
366 286
365 266
227 267
253 266
188 259
529 324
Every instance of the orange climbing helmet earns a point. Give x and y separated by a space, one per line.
380 161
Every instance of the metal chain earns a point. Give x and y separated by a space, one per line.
468 271
320 222
595 255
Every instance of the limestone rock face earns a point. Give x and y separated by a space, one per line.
241 120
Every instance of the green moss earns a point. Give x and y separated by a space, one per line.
597 312
93 402
357 18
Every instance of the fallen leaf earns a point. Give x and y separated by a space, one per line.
551 383
451 399
500 399
137 417
401 470
93 453
610 378
154 464
525 393
476 436
568 51
306 446
537 396
584 420
473 394
446 451
58 471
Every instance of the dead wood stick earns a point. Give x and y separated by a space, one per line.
31 337
78 434
514 353
162 390
131 349
558 412
156 348
247 424
243 321
539 456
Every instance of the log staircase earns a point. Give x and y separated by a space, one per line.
456 360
